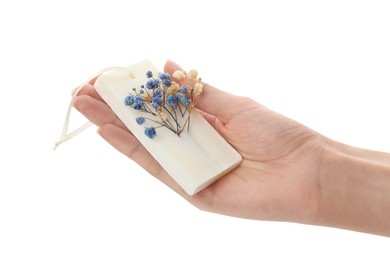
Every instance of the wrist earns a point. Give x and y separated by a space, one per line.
354 189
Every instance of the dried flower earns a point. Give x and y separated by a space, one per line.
178 74
183 99
166 82
157 93
150 132
135 102
198 89
172 100
149 74
129 100
140 120
163 76
165 79
152 84
156 102
173 88
193 73
138 103
146 97
168 103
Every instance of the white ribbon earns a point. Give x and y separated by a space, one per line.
65 136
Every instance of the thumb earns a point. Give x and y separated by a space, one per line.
212 100
170 67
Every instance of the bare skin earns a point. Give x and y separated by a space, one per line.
288 173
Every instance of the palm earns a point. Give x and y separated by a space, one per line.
270 182
271 178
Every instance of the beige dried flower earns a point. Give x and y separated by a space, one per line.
146 97
193 73
198 88
173 88
178 74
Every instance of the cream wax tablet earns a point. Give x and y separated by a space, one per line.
179 138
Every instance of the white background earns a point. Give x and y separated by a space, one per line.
323 63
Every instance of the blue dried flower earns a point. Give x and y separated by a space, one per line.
163 76
138 102
160 93
150 132
156 102
137 106
140 120
183 99
172 100
139 99
152 84
157 93
129 100
187 101
166 82
180 97
149 74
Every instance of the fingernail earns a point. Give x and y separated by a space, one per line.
74 91
73 102
174 64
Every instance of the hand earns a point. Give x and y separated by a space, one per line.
277 179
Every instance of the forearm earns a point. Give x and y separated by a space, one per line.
355 190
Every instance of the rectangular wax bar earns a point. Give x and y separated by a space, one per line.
195 159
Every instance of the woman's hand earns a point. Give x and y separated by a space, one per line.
277 179
288 172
